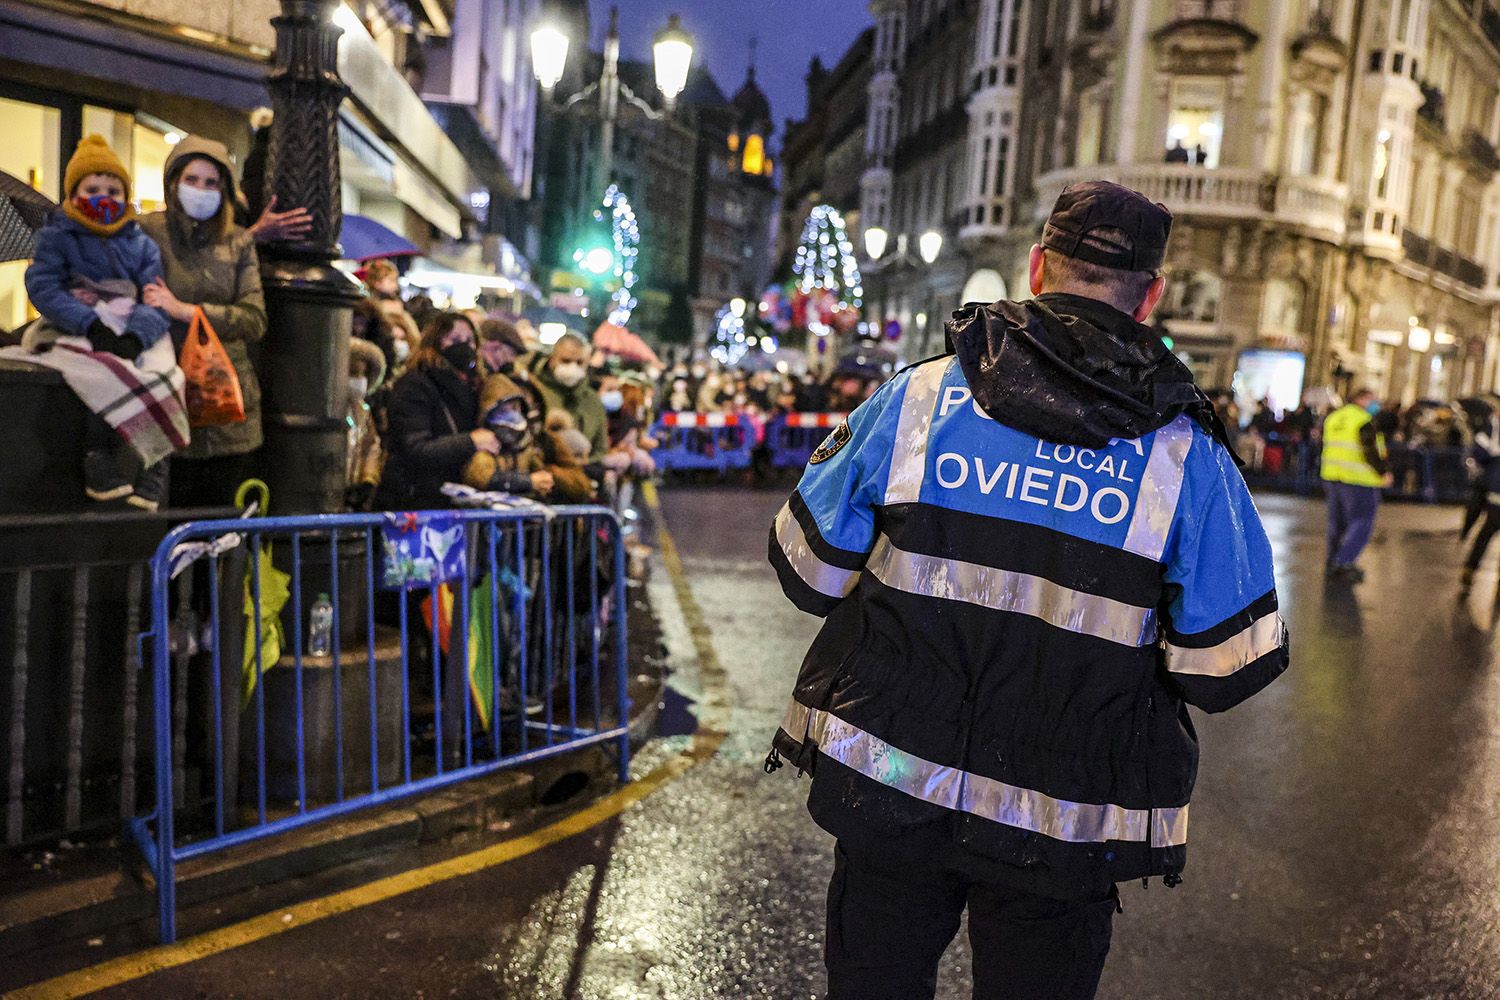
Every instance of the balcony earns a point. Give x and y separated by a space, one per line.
1442 260
1208 10
1191 190
1236 193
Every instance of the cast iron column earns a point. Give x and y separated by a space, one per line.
305 356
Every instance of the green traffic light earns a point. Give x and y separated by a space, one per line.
598 261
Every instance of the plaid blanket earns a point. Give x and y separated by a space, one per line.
142 400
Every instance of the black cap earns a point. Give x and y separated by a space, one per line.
1083 208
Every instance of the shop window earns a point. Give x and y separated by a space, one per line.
1196 118
31 152
1191 296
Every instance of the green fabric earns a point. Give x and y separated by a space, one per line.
481 652
1343 455
275 591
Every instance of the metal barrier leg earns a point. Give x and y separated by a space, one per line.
164 867
622 668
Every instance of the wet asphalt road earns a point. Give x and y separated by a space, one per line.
1346 828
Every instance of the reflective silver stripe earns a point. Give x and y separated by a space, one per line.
1264 635
909 459
817 574
1006 590
1156 503
963 791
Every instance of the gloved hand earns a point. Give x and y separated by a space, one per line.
122 345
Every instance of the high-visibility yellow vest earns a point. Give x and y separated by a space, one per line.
1343 456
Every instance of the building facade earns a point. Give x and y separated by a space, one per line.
1331 165
824 155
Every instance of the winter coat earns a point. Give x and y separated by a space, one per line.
582 401
223 276
432 410
511 472
67 252
1031 557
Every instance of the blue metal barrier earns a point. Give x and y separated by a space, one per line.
521 653
714 442
793 437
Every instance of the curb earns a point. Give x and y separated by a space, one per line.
109 902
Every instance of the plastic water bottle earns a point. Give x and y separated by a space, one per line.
320 627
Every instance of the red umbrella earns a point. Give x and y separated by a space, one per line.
617 340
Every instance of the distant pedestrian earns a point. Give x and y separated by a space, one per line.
1355 470
1031 558
1490 526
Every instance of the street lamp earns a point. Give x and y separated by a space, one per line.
673 50
875 240
930 244
549 55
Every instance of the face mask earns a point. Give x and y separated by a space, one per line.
402 350
460 356
101 208
198 203
510 429
569 375
612 400
359 387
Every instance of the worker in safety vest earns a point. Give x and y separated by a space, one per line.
1032 555
1355 470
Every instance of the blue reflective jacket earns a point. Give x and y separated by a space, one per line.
1014 628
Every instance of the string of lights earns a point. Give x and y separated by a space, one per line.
825 257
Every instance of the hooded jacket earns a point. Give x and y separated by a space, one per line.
511 472
1032 556
214 264
582 401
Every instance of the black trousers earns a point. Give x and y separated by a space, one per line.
892 915
1488 528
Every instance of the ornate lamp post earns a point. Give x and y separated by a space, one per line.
305 357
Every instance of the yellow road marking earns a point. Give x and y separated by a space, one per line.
706 740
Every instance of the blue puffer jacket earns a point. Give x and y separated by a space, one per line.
66 251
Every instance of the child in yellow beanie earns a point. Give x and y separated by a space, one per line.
92 261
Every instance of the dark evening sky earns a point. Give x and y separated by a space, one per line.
790 33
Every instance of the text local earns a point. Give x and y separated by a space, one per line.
1043 487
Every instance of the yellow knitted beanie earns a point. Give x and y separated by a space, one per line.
94 156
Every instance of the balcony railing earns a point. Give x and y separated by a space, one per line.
1208 10
1311 202
1182 188
1424 253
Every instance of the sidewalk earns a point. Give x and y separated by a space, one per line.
67 905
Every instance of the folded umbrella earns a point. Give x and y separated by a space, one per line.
23 210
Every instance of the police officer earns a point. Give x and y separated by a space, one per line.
1354 472
1032 555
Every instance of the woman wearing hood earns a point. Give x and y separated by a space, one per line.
209 262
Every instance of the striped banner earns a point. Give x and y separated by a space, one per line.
700 420
815 419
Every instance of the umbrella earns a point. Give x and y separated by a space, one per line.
23 210
365 239
617 340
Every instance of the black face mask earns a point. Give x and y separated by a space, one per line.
461 356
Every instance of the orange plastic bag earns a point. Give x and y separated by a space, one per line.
213 389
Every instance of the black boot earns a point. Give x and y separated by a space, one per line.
103 478
150 488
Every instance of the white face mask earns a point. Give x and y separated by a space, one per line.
569 375
402 349
198 203
358 387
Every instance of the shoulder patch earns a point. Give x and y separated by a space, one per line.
832 444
